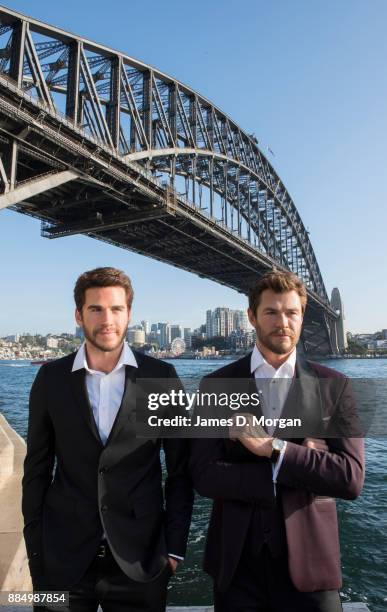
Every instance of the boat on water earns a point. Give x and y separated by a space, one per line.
42 361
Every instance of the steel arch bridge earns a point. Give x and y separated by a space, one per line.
94 142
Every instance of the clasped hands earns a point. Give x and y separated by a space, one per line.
256 440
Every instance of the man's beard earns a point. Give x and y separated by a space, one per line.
269 343
91 337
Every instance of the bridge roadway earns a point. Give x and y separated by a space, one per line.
183 184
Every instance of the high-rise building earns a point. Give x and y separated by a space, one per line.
384 334
209 324
188 337
165 334
220 322
145 327
241 320
176 332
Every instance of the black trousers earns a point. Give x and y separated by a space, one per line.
262 584
105 584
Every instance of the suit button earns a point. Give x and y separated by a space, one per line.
104 508
103 470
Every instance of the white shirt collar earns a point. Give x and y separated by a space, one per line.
126 358
258 360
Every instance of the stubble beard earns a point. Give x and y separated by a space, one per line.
92 338
266 341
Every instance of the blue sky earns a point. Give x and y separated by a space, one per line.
308 78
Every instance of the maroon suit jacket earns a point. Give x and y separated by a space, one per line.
307 484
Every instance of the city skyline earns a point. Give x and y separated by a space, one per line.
324 125
132 324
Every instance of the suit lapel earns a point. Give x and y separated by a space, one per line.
246 373
303 401
78 386
244 367
128 402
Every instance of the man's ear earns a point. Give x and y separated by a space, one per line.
78 317
251 316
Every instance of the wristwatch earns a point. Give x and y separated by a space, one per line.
277 445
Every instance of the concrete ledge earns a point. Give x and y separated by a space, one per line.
14 573
6 457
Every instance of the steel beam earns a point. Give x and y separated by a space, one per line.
73 97
88 226
113 106
17 52
36 186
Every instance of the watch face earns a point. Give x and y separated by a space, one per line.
278 444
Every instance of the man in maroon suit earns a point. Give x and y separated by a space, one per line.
272 543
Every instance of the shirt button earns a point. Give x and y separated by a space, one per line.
104 508
103 470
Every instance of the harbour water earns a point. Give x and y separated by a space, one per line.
363 523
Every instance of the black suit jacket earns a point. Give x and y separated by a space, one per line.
308 481
75 488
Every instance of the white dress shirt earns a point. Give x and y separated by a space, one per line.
105 390
273 385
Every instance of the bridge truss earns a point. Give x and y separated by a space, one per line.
94 142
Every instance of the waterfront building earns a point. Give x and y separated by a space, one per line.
52 342
12 338
241 339
377 345
136 335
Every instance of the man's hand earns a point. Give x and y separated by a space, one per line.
316 444
173 563
252 436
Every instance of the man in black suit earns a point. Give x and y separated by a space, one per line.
272 543
97 523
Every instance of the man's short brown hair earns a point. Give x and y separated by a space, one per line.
101 277
279 282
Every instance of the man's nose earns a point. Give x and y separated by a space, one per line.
282 319
107 316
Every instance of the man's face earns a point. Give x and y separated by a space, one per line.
105 317
278 321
